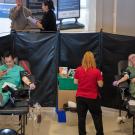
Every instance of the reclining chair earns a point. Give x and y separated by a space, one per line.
19 98
23 91
127 103
123 89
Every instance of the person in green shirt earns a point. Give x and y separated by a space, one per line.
129 75
10 74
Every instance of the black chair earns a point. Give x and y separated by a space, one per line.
18 105
123 89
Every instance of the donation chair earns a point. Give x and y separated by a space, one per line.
123 88
19 101
127 102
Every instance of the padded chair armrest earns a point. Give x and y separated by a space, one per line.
117 77
124 84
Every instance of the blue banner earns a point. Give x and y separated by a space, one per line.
68 9
5 9
69 5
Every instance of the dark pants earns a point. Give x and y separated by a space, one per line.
94 107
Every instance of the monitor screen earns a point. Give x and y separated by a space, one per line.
5 9
68 9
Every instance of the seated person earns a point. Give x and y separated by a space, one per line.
10 73
129 75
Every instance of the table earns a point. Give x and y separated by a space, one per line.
21 109
66 91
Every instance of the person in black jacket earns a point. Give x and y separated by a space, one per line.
48 21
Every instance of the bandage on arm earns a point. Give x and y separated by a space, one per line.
26 80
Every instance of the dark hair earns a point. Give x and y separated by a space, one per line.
50 4
7 54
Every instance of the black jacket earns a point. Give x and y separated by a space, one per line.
49 21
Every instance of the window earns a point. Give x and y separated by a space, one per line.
8 1
83 3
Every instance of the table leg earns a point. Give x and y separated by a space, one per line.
133 124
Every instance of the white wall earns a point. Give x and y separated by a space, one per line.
120 20
104 15
91 16
126 17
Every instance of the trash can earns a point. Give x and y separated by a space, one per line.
61 116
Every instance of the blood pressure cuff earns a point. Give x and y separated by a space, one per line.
24 73
128 72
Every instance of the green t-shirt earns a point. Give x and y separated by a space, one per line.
131 75
12 76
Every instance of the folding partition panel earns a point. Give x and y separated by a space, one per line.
40 49
74 45
47 51
6 43
114 48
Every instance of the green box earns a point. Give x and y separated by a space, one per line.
66 83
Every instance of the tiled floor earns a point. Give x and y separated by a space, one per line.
50 126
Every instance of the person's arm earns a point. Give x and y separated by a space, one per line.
99 78
133 80
14 13
35 22
75 81
27 81
100 83
28 11
123 79
2 73
76 76
39 25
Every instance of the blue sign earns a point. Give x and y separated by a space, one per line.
5 9
68 9
68 5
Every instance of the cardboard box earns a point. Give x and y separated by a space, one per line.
64 96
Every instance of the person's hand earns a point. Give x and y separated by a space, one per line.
2 73
133 80
115 83
39 25
32 86
18 7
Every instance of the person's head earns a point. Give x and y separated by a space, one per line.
19 2
88 60
47 5
131 60
8 59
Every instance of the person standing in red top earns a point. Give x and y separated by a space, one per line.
88 78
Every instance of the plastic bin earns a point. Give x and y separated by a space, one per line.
61 116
